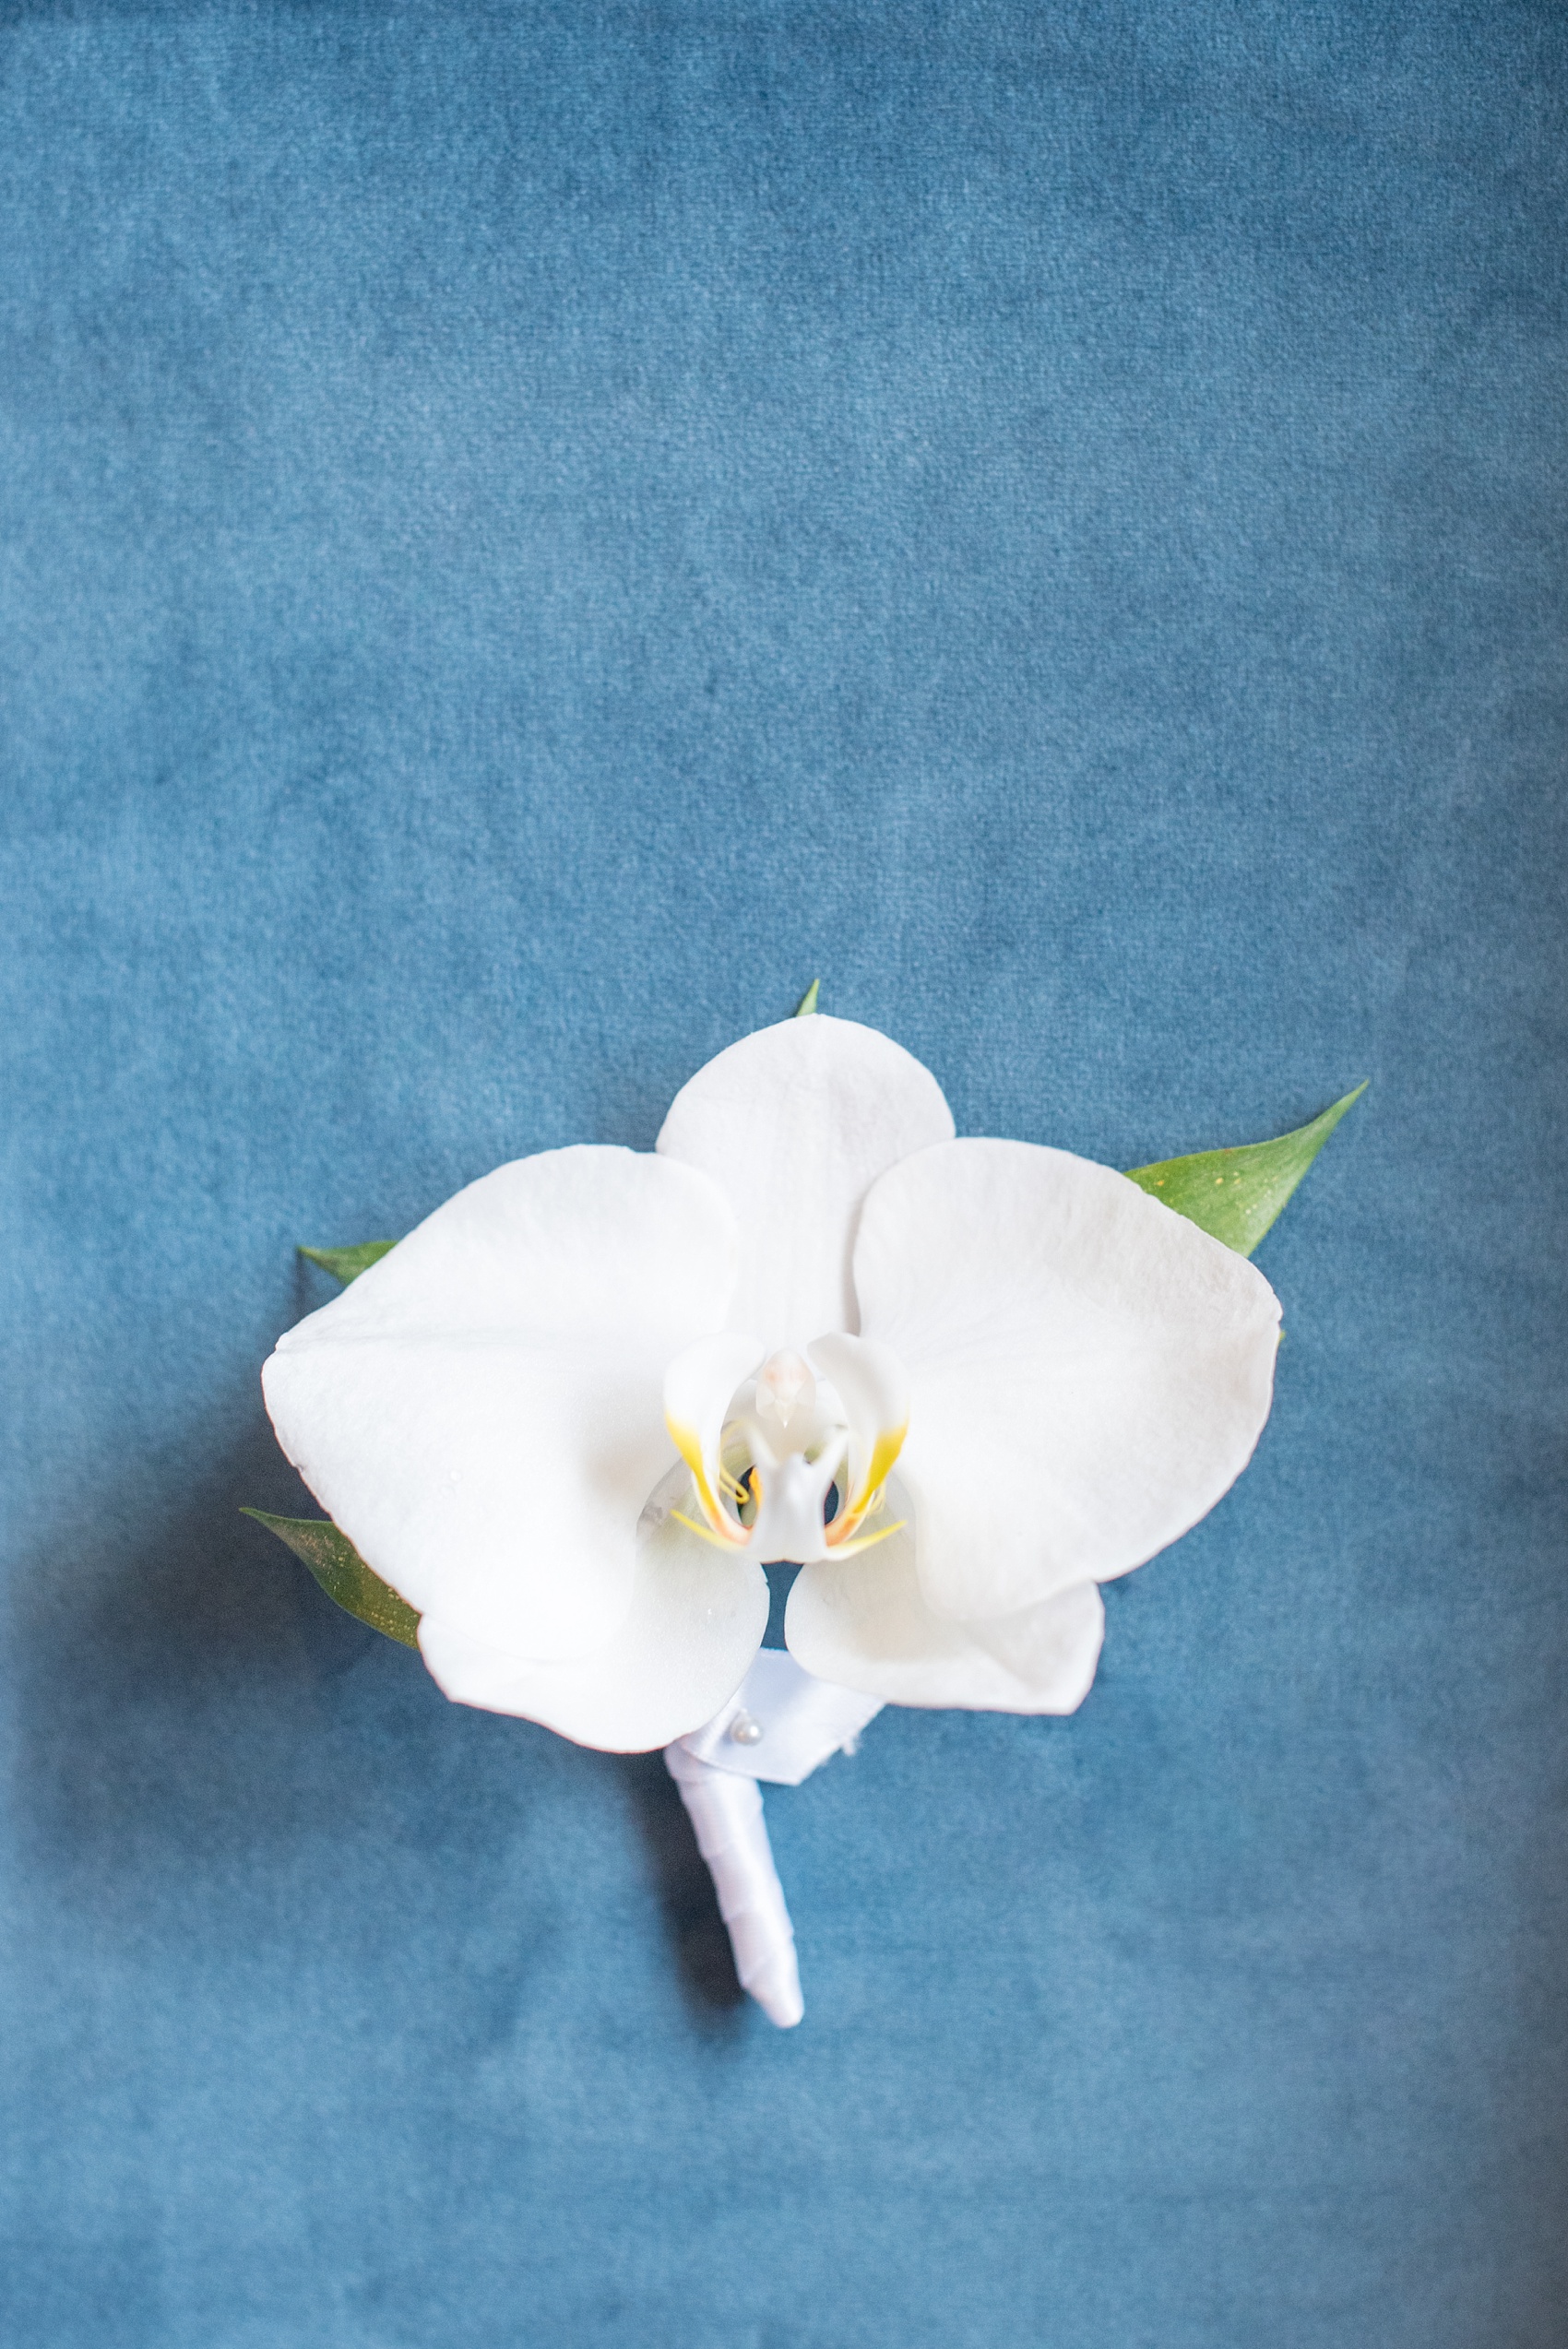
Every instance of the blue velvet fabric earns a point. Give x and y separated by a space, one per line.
526 532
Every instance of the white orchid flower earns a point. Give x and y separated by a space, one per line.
960 1383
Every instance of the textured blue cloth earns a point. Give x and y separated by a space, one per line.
526 532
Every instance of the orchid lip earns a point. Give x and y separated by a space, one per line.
791 1462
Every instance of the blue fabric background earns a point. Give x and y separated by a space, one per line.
526 532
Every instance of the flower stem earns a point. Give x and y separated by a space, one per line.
726 1814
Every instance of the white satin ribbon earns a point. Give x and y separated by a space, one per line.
726 1812
781 1724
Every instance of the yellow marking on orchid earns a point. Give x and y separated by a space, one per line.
703 1533
736 1488
723 1526
864 1541
884 1452
733 1536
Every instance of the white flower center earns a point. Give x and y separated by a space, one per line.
790 1453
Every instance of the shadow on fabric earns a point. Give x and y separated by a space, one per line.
191 1706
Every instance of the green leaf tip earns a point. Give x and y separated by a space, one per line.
807 1003
343 1574
1236 1194
348 1263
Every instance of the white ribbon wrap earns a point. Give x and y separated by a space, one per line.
726 1812
781 1724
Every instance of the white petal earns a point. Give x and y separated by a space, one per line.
863 1622
483 1411
1089 1371
696 1622
587 1242
795 1123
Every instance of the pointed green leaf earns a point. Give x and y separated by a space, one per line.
807 1003
343 1574
348 1263
1236 1194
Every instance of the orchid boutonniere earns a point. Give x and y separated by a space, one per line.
561 1429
